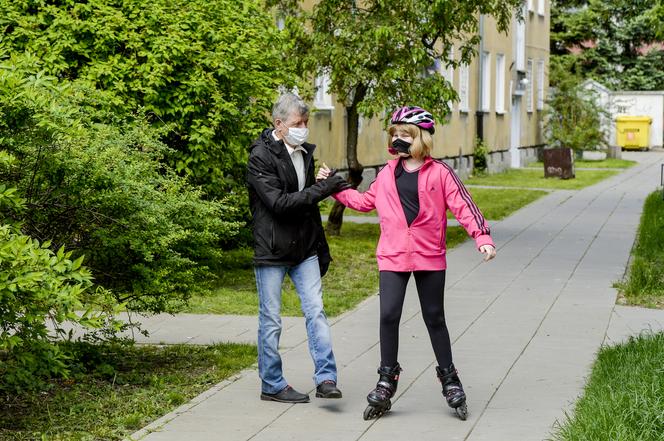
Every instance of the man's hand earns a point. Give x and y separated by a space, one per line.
489 252
324 172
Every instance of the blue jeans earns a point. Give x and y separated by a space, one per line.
306 278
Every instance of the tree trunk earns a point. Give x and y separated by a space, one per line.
336 217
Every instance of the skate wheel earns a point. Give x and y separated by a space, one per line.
462 411
375 412
369 413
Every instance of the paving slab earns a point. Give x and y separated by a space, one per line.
525 327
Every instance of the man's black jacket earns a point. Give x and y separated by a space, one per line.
286 222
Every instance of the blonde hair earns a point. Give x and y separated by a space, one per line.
422 139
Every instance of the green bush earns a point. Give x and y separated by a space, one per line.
103 190
573 117
210 69
480 153
36 286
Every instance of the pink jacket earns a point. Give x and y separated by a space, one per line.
420 247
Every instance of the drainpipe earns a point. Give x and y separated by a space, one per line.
479 113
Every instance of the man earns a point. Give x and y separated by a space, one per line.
289 239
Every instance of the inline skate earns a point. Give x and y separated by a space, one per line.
379 398
452 390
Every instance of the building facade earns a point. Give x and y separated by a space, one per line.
501 98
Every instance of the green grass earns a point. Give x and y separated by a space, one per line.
606 163
352 277
326 207
523 178
495 203
624 398
644 284
123 390
498 203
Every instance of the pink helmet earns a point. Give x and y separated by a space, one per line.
414 115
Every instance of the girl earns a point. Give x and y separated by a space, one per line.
411 195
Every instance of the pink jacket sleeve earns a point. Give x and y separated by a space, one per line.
352 198
463 207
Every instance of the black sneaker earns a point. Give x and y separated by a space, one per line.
286 395
328 389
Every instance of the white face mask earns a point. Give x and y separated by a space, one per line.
296 135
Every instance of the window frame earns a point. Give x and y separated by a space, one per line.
485 105
500 83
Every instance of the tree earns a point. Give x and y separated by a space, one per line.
656 16
97 184
209 69
573 117
380 55
611 41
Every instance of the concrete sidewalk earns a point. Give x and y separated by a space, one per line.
525 327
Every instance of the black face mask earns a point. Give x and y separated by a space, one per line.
401 146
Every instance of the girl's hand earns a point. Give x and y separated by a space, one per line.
489 252
323 173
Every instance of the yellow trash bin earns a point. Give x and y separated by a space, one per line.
633 132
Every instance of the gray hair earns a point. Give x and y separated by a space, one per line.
286 105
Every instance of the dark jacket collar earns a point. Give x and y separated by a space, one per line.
278 147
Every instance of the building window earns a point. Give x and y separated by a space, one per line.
447 72
540 84
520 43
486 81
433 69
500 83
323 99
463 88
529 86
540 7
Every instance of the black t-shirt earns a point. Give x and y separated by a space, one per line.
407 188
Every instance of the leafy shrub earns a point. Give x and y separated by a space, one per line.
573 118
480 154
103 190
36 286
210 69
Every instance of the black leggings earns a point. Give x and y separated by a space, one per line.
430 288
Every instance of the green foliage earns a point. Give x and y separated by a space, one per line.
656 18
480 153
36 286
379 54
624 397
644 284
103 190
207 69
615 42
573 117
498 203
523 178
